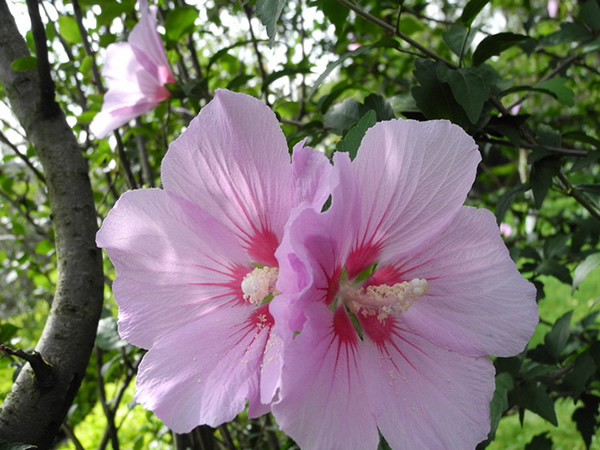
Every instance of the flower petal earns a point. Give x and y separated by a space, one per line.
188 382
233 160
412 177
322 399
148 45
311 171
424 396
174 263
477 302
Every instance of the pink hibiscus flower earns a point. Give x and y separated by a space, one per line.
138 71
403 293
196 259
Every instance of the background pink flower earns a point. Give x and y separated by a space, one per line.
138 71
405 292
188 285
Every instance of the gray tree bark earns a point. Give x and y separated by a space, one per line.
39 400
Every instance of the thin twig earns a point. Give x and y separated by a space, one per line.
559 150
558 69
23 157
68 429
261 68
25 213
86 46
147 172
108 413
386 26
573 192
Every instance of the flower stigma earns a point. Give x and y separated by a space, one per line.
382 300
259 286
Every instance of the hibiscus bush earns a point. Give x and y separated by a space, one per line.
330 224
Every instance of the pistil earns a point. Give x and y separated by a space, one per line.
259 286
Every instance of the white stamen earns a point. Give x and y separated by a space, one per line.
259 284
383 298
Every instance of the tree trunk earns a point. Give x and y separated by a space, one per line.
35 408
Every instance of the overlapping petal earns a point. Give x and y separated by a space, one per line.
323 402
424 396
477 303
231 156
412 178
203 372
174 263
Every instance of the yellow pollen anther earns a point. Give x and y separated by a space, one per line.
260 284
384 300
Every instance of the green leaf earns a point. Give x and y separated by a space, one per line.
507 199
7 332
409 25
288 71
494 45
593 189
580 136
344 115
557 86
586 418
555 269
224 51
384 43
381 106
458 39
540 179
351 142
590 14
44 247
556 246
469 88
434 98
569 32
499 403
180 21
86 117
268 11
69 29
337 15
534 397
471 10
24 63
584 268
108 337
576 380
540 442
556 339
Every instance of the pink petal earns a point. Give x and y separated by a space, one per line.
311 171
477 302
322 398
203 372
423 396
133 90
148 45
174 263
412 177
233 160
312 252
